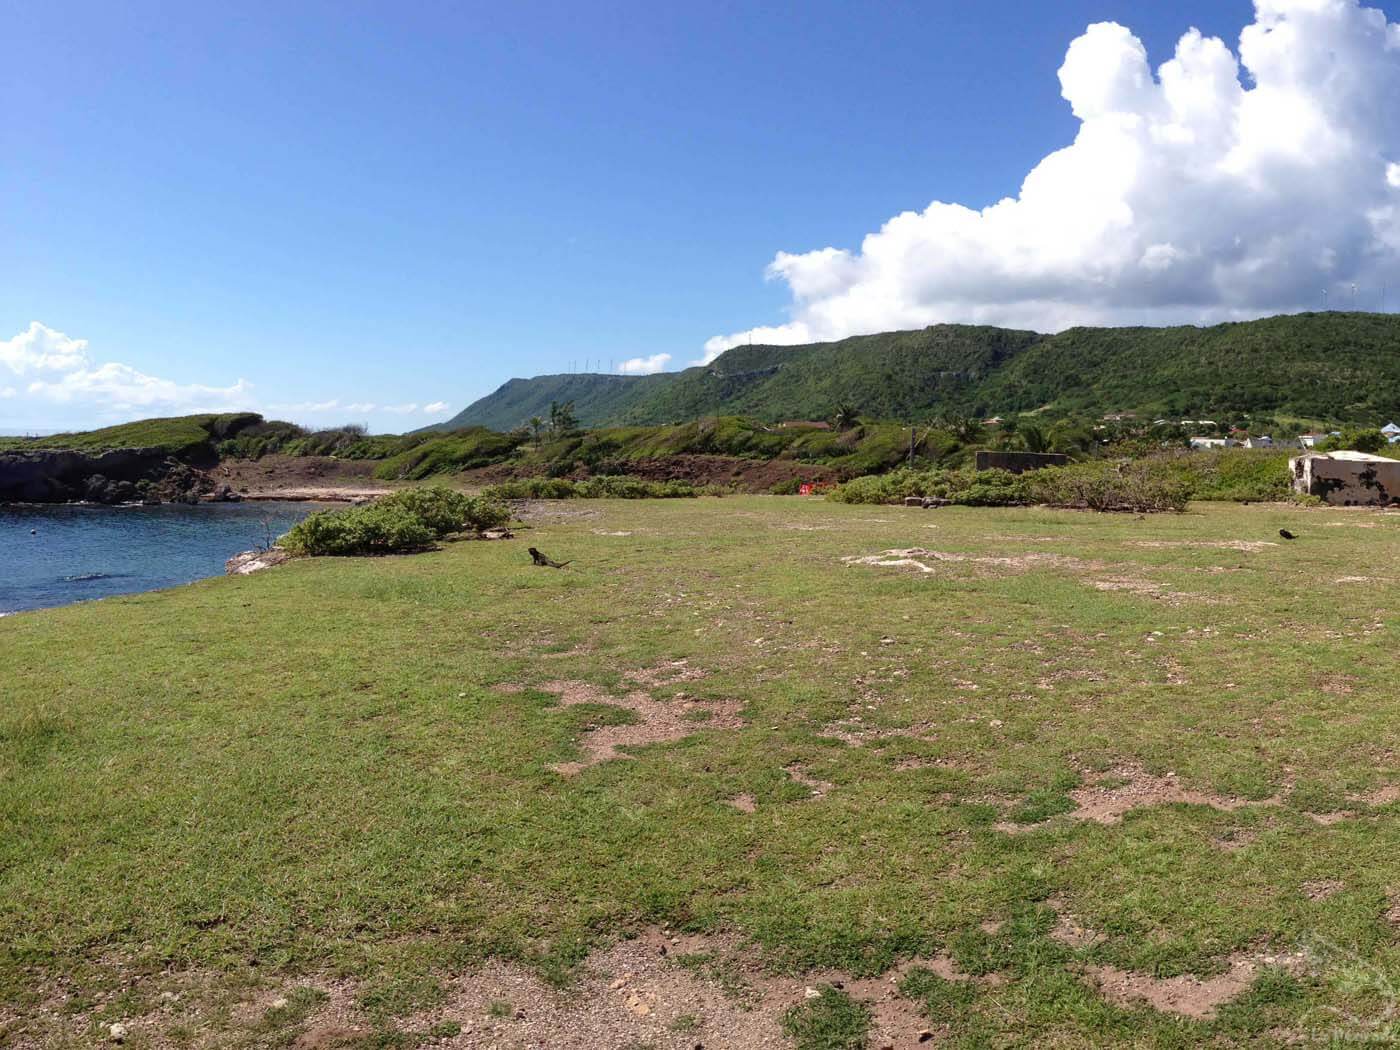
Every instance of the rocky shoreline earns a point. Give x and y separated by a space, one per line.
128 475
145 476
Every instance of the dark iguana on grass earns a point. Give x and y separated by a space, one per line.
545 561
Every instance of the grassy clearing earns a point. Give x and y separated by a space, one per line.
342 770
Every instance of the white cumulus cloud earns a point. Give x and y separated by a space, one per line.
58 370
1226 185
645 366
48 379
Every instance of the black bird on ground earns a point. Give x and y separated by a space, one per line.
545 561
1286 534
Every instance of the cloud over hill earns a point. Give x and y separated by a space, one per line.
1228 185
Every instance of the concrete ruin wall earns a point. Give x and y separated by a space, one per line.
1347 482
1019 462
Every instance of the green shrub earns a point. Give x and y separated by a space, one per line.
890 488
987 488
991 488
1236 474
606 487
1141 486
359 530
1098 485
444 510
1356 439
404 521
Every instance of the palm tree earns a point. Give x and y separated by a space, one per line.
536 425
1033 438
844 418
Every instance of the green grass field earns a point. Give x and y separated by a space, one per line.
229 807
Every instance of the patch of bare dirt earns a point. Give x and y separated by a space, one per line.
1069 930
924 560
657 721
300 478
1328 819
1392 913
1148 589
1234 841
744 803
854 732
662 990
1131 787
672 673
1381 796
1321 889
327 1037
798 775
1187 995
1247 546
906 765
1337 684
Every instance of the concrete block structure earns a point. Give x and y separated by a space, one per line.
1348 479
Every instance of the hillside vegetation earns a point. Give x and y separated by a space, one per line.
597 399
1329 366
177 436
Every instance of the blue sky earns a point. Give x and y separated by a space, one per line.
409 204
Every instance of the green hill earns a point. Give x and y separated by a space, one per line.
176 435
1338 366
597 399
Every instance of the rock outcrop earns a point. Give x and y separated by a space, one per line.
126 475
255 561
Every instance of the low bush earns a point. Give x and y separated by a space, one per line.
1097 485
1236 474
443 510
604 487
889 488
1356 439
1141 487
359 530
404 521
988 488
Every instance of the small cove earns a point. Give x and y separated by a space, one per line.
58 554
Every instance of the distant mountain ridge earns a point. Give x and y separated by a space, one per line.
1343 366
